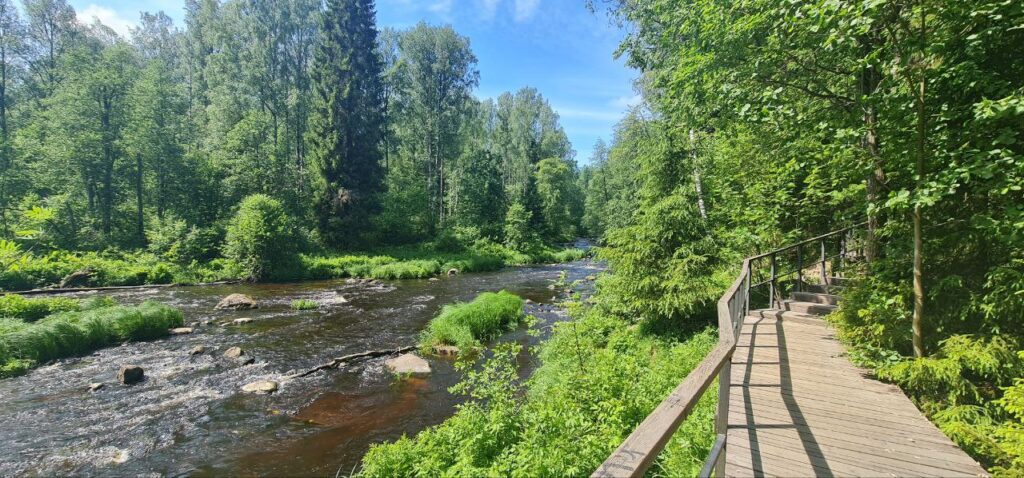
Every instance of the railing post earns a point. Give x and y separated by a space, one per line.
771 285
722 417
842 250
799 268
746 293
824 273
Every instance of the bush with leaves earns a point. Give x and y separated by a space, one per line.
262 240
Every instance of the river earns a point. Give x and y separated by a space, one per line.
189 416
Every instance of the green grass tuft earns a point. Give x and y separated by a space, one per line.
466 324
66 334
305 304
33 309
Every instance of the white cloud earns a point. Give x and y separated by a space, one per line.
108 17
442 7
488 8
626 102
525 9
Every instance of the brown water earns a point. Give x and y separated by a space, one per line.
190 418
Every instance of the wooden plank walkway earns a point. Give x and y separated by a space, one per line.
798 407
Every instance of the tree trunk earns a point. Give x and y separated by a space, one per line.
140 226
869 81
922 129
696 177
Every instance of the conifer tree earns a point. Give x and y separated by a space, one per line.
347 122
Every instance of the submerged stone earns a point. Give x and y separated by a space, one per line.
130 374
237 302
408 364
265 386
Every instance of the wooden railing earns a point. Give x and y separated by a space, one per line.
639 451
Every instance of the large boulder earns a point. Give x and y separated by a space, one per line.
234 352
265 386
237 302
130 374
408 364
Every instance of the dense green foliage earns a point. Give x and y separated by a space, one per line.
98 324
467 324
348 121
600 377
114 145
775 121
261 239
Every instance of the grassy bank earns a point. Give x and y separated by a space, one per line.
600 376
467 324
91 325
23 270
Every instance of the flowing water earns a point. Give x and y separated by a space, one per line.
189 416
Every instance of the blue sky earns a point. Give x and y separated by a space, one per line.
557 46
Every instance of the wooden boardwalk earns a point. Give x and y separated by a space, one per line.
797 407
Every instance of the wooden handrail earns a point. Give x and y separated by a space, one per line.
637 453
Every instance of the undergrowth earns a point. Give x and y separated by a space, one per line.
600 377
970 385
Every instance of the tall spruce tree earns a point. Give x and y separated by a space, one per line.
347 122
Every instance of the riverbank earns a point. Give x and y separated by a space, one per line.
600 376
25 270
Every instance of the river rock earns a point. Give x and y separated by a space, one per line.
433 279
237 302
130 374
242 321
453 272
198 349
408 364
591 278
351 281
234 352
77 279
244 360
95 386
180 330
446 350
265 386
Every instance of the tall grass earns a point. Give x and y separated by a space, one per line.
466 324
32 309
74 333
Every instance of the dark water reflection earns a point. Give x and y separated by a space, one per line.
189 418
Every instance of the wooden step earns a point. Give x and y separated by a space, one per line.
815 297
810 308
822 289
785 315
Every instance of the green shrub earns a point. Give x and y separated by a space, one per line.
32 309
518 234
465 325
73 333
304 304
598 380
260 239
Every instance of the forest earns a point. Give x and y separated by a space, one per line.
293 140
141 153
